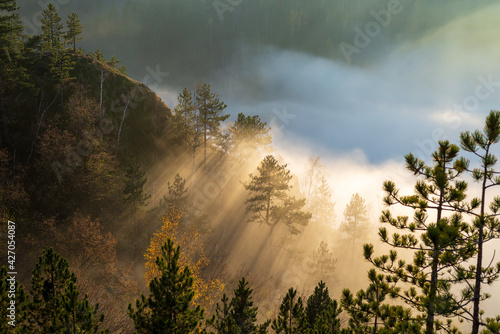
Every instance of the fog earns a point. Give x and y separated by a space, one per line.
411 82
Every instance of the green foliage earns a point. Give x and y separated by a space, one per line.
323 262
75 28
52 29
317 302
444 242
292 317
222 321
55 307
486 226
177 194
242 310
168 306
250 136
355 218
269 202
135 179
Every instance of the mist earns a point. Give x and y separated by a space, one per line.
332 79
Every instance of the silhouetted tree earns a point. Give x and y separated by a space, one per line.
270 202
135 179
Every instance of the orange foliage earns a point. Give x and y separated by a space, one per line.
207 291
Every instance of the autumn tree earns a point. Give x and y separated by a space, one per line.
75 28
168 306
269 201
322 262
439 243
51 28
292 317
206 289
135 179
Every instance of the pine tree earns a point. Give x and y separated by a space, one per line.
485 224
355 218
74 30
51 28
55 307
270 202
210 110
444 241
328 320
50 278
242 310
317 302
222 321
13 74
177 197
135 179
168 309
249 136
292 317
80 316
187 125
321 205
323 262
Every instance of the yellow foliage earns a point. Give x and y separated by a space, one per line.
206 291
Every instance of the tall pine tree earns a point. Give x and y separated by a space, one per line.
269 200
168 307
75 28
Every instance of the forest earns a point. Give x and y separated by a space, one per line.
121 214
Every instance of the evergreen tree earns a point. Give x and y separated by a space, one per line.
74 30
61 66
80 316
292 317
55 307
355 218
13 74
323 262
51 28
444 241
177 197
249 136
187 123
321 205
485 225
50 278
270 202
210 110
168 309
222 321
135 180
317 302
328 321
242 310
